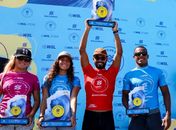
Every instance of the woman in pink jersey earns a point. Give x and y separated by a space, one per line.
17 86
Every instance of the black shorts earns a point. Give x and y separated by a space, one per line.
98 120
146 122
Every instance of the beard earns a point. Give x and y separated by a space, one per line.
100 65
142 63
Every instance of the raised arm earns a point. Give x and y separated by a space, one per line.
82 49
118 46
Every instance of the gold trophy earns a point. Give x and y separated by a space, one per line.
136 103
102 14
58 110
15 112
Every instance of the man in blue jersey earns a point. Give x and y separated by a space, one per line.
146 80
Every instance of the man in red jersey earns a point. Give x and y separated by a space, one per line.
99 84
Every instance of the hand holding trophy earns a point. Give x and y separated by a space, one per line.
102 14
15 112
58 110
136 102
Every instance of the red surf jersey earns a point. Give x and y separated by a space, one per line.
99 87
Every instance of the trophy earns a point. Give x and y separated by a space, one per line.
102 14
15 112
58 111
136 103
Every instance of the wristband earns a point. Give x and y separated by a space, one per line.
115 31
40 117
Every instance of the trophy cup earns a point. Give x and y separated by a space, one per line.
102 14
58 110
15 112
136 102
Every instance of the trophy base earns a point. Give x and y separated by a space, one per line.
55 123
101 23
137 111
14 121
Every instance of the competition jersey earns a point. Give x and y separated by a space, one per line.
17 83
148 78
99 87
61 82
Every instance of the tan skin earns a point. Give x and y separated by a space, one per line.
142 61
21 66
64 64
82 49
84 56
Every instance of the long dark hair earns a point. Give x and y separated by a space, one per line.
55 71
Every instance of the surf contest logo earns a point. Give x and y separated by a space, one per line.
111 52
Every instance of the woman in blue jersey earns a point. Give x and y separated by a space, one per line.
57 83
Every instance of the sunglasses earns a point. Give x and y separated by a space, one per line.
140 54
100 58
23 58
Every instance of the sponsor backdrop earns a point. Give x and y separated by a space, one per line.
50 26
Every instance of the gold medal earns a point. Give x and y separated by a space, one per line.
137 102
15 111
102 12
58 111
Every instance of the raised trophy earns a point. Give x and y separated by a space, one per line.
15 114
136 103
102 13
58 111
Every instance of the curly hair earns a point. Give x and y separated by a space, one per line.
55 71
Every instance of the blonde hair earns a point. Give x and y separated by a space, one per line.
10 65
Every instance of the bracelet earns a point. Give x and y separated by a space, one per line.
115 31
40 117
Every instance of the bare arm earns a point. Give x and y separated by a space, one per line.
36 95
73 102
82 49
167 102
119 51
43 105
44 99
125 98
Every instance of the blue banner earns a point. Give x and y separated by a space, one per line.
50 26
